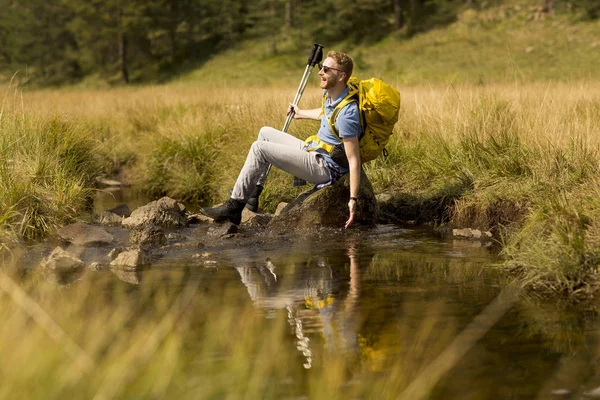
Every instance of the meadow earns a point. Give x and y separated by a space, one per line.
499 130
521 160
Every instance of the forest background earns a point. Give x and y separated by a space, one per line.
142 41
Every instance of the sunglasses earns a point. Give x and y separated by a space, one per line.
326 69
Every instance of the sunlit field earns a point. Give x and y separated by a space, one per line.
521 160
499 130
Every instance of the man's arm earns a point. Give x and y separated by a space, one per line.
304 114
353 155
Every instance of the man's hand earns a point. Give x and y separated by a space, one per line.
352 210
294 110
300 113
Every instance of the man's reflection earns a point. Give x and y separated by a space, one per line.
320 295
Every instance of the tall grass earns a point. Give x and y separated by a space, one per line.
48 168
511 158
521 161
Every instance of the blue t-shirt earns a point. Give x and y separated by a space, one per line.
347 124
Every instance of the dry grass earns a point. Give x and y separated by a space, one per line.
495 157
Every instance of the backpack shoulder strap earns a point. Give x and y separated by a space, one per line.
350 98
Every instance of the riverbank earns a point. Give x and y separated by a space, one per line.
521 161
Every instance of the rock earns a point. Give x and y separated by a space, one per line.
131 259
223 229
61 260
247 215
114 216
471 233
197 218
384 197
152 236
114 253
85 235
280 207
466 233
108 218
328 207
172 236
258 220
595 393
121 210
109 182
250 218
96 266
165 212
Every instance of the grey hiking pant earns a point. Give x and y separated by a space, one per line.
284 152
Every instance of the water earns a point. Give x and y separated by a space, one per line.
400 311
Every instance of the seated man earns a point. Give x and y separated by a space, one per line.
310 160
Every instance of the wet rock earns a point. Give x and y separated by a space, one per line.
328 207
85 235
110 182
280 207
561 392
172 236
148 238
469 233
198 218
61 260
115 252
108 218
114 216
259 220
121 210
594 393
132 259
223 229
96 266
165 212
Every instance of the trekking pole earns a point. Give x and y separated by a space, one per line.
316 56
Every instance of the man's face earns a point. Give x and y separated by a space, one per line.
330 74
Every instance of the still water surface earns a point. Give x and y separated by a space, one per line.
388 300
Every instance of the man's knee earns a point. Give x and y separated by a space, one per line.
263 132
266 132
256 148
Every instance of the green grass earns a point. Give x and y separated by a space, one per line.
509 43
47 174
498 130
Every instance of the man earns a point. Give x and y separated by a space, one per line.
321 159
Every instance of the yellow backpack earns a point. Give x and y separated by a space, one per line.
379 105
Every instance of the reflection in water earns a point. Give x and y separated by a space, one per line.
339 316
128 275
306 291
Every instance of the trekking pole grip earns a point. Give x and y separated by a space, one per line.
316 55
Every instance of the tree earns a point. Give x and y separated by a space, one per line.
33 37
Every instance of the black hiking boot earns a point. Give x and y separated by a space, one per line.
230 210
252 204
